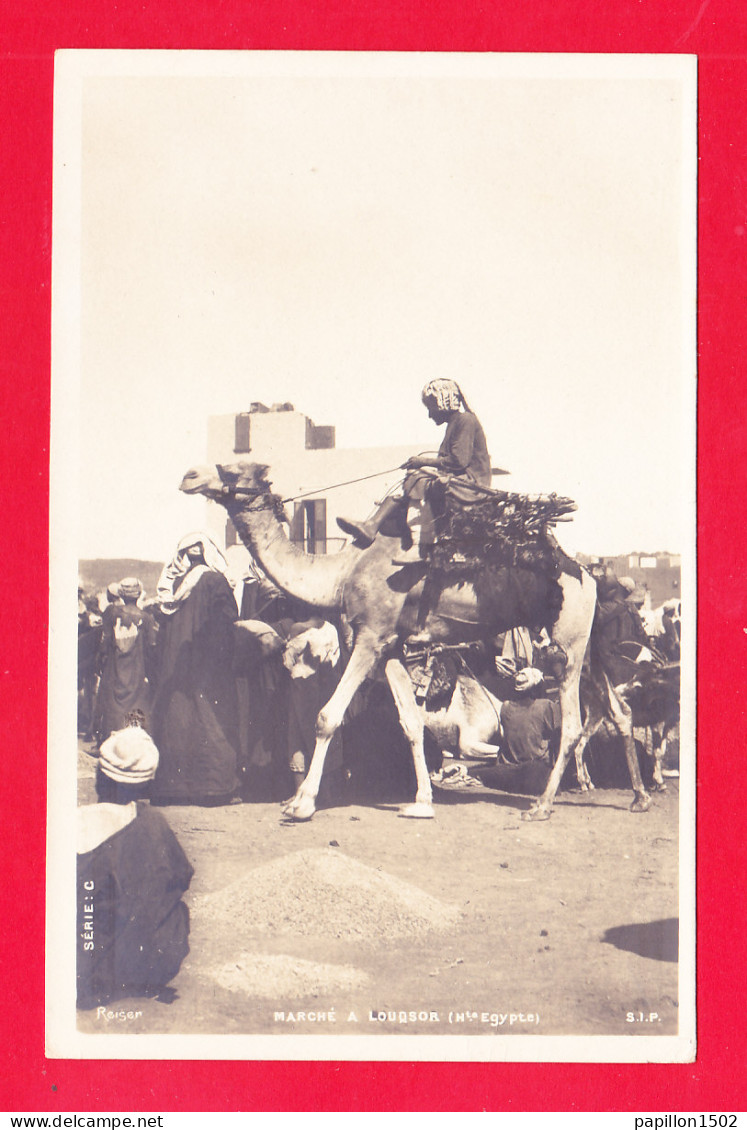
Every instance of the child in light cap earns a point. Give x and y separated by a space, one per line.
128 757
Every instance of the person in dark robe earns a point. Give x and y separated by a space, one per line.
125 660
619 629
670 642
195 716
461 464
132 925
276 707
89 640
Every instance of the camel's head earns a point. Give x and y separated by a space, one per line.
224 480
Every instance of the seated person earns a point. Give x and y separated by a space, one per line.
530 720
462 463
132 927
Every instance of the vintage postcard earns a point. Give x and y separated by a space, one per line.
373 462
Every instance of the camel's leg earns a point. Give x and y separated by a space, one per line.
571 734
622 716
654 747
474 748
660 752
571 630
591 725
472 735
411 719
365 655
583 776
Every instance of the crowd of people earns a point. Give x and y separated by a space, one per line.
208 694
229 678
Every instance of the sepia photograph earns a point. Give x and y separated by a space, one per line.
373 462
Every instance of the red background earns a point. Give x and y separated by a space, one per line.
716 32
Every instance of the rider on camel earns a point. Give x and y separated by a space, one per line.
461 464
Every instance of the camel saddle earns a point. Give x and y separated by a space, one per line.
500 529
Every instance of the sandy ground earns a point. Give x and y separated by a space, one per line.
572 921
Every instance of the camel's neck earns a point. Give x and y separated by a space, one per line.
316 580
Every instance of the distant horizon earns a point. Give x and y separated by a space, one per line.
577 554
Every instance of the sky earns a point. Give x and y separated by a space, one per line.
335 231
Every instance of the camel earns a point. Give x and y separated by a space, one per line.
461 727
650 699
380 605
464 726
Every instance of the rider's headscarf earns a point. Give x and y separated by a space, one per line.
447 394
180 576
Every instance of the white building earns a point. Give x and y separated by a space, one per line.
303 460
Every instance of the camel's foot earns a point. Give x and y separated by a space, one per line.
300 807
418 811
538 811
659 787
586 786
642 803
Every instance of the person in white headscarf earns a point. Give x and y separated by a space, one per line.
195 717
461 464
195 554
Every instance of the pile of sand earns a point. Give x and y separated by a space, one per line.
323 893
86 764
274 977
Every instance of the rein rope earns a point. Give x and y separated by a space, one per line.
335 486
258 492
481 493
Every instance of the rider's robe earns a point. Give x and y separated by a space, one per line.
463 456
